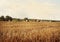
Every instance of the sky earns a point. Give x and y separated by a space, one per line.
37 9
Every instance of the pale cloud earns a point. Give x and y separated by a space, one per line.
30 9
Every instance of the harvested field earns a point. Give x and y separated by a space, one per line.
29 31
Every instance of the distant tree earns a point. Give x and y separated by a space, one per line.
2 18
26 19
8 18
18 19
38 20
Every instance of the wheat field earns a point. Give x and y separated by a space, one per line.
29 31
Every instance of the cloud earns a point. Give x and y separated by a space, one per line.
30 8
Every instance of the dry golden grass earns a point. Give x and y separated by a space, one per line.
29 31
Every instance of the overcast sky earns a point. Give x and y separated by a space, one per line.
40 9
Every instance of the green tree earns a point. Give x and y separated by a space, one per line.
26 19
8 18
2 18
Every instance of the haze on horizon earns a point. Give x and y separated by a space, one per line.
39 9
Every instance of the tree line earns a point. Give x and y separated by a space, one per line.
9 18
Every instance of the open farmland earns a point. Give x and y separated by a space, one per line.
29 31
